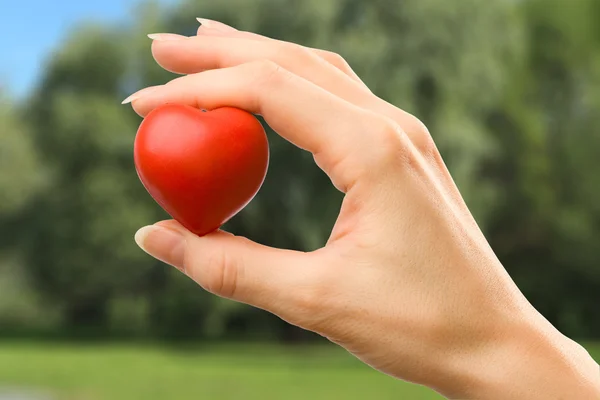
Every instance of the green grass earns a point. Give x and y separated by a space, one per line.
91 372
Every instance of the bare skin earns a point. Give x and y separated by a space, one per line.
407 282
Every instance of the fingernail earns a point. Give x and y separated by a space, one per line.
216 25
163 244
166 36
140 93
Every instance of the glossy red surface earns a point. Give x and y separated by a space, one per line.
201 167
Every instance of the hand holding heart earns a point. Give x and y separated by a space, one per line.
407 282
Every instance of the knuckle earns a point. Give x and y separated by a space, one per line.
288 53
336 59
427 147
421 137
417 132
220 275
266 71
391 142
418 127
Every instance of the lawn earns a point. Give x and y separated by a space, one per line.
91 372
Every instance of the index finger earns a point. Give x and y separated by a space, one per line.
331 128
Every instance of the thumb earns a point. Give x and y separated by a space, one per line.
280 281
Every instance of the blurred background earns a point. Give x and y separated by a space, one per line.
509 90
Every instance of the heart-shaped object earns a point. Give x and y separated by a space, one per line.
202 167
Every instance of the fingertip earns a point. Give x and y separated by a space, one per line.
174 56
135 105
215 26
128 100
164 37
163 244
141 235
144 104
139 94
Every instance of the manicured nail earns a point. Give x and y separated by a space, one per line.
215 25
166 36
139 94
164 244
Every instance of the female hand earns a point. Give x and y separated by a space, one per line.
406 282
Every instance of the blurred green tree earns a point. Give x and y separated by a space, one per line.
506 88
20 173
79 230
21 179
548 230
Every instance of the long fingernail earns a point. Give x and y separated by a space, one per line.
166 36
163 244
215 25
140 93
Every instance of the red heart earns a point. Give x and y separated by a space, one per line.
201 167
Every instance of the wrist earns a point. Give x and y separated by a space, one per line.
528 358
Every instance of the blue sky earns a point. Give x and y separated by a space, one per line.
30 29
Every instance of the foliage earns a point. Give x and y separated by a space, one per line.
506 88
